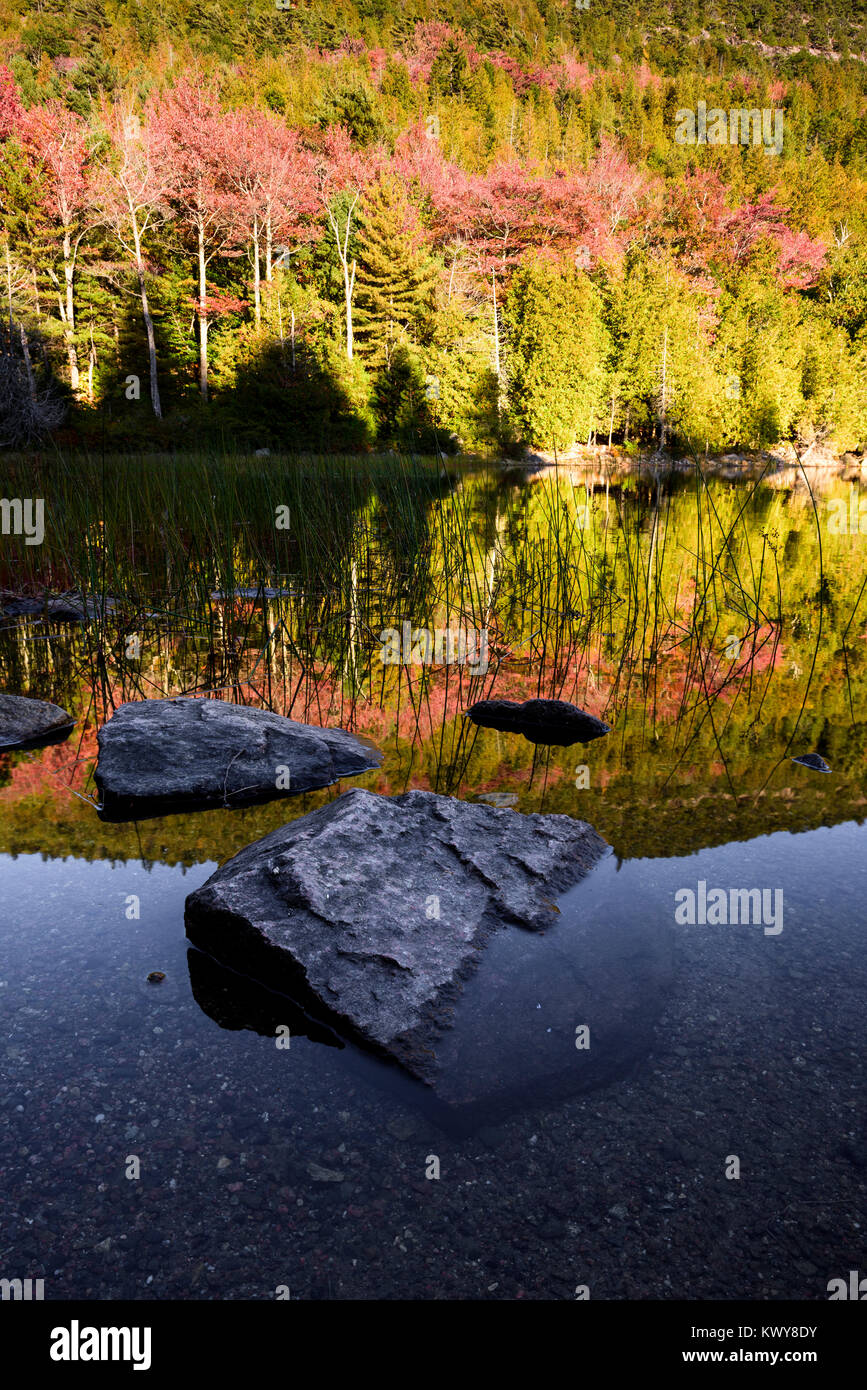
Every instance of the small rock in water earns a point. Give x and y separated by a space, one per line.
27 723
320 1174
158 755
540 721
156 977
812 760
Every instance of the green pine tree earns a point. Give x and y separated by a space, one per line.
396 279
558 350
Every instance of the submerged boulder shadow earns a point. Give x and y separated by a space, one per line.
236 1002
423 929
159 756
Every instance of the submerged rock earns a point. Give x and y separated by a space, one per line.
221 596
156 756
815 761
384 916
13 606
68 608
26 723
540 721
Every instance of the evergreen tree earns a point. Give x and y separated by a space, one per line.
558 350
396 278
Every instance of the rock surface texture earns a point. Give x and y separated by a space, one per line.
25 722
161 755
374 912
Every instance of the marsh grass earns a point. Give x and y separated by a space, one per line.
627 594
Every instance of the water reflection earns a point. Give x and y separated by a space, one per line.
697 615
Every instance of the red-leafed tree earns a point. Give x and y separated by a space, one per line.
274 180
614 184
799 259
189 146
56 139
11 110
131 196
707 231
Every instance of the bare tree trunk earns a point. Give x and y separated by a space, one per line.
496 325
257 293
496 342
348 271
203 317
349 283
663 398
91 363
280 327
69 314
148 320
152 346
28 364
9 289
269 250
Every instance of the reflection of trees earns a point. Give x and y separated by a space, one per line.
686 611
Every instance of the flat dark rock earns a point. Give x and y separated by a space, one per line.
21 607
26 723
156 756
68 608
219 596
540 721
814 761
378 914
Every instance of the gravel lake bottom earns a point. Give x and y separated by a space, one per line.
146 1152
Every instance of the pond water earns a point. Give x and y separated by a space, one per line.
155 1142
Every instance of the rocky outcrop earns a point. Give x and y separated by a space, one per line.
28 723
156 756
415 925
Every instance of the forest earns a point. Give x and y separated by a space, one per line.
464 228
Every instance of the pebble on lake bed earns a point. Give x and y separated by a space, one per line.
156 977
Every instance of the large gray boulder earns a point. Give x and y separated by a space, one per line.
424 928
156 756
26 723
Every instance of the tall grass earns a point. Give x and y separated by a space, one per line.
613 592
